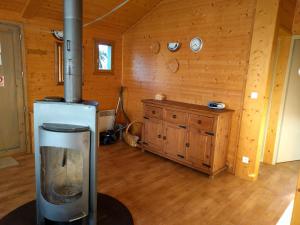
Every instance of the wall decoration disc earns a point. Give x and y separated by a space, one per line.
155 47
173 46
173 65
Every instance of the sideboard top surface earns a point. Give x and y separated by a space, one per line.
182 105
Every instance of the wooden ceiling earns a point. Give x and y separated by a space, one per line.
120 20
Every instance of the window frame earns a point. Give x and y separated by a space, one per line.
59 68
97 71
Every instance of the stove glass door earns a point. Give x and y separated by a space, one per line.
61 174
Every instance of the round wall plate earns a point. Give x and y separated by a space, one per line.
196 44
174 46
59 35
173 65
155 47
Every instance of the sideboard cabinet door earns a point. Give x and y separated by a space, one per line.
199 148
174 140
153 134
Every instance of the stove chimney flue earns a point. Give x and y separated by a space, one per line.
73 50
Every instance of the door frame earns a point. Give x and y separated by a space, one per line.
283 100
24 83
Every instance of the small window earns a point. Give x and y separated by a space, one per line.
59 62
103 57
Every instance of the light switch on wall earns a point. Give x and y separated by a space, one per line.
254 95
245 160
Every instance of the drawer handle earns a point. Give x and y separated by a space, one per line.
182 126
199 121
174 116
206 165
153 112
210 133
159 136
181 156
146 118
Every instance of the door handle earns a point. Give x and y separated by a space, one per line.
147 118
80 216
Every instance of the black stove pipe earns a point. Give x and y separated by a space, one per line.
73 50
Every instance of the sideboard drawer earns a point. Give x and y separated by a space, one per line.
176 117
152 111
201 122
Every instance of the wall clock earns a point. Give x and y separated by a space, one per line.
196 44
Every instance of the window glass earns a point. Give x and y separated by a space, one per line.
103 57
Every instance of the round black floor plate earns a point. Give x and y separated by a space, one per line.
110 212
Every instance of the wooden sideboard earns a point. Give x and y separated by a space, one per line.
192 135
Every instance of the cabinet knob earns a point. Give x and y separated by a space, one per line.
174 116
159 136
164 138
199 121
153 112
187 145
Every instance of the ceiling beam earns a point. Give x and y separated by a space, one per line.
31 9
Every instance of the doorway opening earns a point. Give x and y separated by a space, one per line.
288 146
12 105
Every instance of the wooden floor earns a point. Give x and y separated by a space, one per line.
160 192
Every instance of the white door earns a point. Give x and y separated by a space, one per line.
289 142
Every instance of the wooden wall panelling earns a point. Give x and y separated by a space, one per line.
103 88
12 5
31 9
283 52
258 79
218 72
39 59
296 211
296 23
286 13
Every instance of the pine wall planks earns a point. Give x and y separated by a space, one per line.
296 24
40 56
218 72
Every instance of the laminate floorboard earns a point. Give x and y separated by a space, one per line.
160 192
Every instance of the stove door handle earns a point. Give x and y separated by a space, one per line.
80 216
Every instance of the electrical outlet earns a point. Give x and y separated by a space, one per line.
254 95
245 160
